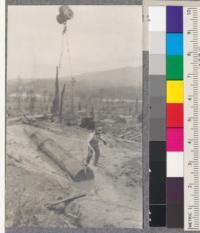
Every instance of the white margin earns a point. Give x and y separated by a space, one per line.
2 116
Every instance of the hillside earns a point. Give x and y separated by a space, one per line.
127 77
123 77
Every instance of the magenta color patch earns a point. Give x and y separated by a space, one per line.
174 139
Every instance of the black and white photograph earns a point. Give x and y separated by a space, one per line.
74 116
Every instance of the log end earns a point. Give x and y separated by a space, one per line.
84 174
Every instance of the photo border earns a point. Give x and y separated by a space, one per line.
145 165
145 129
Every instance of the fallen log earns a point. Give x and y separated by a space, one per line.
27 119
59 156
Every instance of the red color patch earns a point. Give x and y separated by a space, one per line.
174 115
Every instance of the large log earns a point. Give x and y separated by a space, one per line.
59 156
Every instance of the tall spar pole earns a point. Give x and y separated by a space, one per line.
65 14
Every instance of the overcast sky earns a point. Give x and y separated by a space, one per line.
100 38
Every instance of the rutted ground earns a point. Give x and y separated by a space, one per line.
114 199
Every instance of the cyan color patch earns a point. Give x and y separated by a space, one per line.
174 44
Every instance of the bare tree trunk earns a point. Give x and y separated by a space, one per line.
55 107
136 106
61 103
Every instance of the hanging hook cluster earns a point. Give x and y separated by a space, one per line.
65 14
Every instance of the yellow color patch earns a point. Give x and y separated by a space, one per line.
175 92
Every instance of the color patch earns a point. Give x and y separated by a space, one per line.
157 43
174 139
157 215
174 115
157 64
155 168
175 44
174 190
157 85
175 213
158 193
174 67
157 151
174 164
157 129
157 107
175 92
174 19
158 19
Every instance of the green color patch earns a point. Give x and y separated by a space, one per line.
174 67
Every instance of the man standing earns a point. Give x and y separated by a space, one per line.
93 146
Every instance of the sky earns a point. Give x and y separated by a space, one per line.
99 37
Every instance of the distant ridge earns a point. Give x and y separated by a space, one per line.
121 77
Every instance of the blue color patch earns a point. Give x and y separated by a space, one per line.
174 44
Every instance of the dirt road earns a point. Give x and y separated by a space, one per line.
114 198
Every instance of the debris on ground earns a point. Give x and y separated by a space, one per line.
37 182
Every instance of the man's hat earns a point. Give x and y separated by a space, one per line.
98 129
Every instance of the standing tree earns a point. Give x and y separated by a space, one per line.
92 115
61 104
136 106
55 106
79 106
129 110
32 102
44 101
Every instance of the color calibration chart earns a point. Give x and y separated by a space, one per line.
174 140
